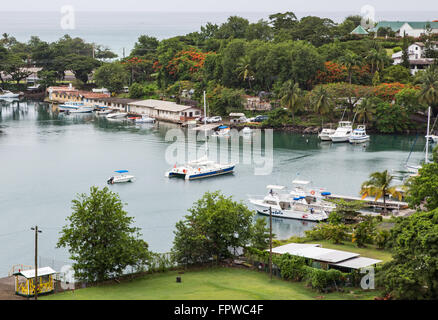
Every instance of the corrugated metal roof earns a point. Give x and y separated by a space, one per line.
31 273
315 252
161 105
358 263
291 248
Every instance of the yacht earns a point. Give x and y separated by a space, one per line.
6 94
82 109
122 177
144 119
281 205
201 168
69 106
343 132
359 135
324 135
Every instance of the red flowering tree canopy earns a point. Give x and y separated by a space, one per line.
387 91
332 72
186 63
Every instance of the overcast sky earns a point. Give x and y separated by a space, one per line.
222 5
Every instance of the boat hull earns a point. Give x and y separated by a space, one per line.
202 175
359 140
277 212
339 138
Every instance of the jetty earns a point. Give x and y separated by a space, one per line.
372 202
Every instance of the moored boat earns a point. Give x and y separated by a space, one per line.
324 135
359 135
117 115
122 177
343 132
6 94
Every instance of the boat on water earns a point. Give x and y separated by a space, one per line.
6 94
121 178
359 135
144 119
117 115
324 135
82 109
282 205
201 168
223 131
103 111
70 105
343 132
246 130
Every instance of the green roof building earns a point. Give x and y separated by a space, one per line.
359 30
410 28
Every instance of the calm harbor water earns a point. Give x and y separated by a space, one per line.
47 158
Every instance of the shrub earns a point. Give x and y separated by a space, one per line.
292 267
333 232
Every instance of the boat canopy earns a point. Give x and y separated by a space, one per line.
121 171
223 127
237 114
274 187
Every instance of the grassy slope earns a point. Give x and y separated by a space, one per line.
208 284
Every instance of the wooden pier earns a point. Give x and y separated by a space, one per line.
371 202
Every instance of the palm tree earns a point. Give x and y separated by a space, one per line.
322 100
244 68
429 87
366 110
290 96
349 61
379 186
377 59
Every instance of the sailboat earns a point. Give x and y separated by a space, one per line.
414 168
201 168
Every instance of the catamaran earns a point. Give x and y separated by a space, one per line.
281 204
122 177
201 168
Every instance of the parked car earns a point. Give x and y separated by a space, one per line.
260 118
214 119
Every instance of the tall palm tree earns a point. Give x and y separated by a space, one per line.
245 70
322 100
379 186
429 87
366 110
349 61
291 96
377 59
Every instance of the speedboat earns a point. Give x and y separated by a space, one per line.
103 111
82 109
324 135
343 132
201 168
117 115
359 135
224 131
283 206
6 94
144 119
69 106
122 177
246 130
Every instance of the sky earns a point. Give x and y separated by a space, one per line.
221 5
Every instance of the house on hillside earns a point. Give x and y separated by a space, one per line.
417 56
70 94
409 28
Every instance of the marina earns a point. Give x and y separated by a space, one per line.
68 154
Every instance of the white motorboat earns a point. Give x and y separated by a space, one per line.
117 115
144 119
6 94
283 206
343 132
103 111
69 106
359 135
201 168
316 196
324 135
82 109
122 177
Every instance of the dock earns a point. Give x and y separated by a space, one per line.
371 202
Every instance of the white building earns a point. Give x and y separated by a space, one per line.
410 28
417 56
164 110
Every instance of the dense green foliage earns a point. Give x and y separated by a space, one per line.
423 189
100 238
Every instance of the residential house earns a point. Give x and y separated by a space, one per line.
121 104
70 94
417 56
409 28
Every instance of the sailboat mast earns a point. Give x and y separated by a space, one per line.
205 125
427 137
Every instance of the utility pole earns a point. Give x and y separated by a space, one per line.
270 241
36 260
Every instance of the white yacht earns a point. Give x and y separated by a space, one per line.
122 177
70 105
324 135
359 135
82 109
144 119
343 132
117 115
6 94
280 204
103 111
201 168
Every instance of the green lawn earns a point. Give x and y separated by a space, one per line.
208 284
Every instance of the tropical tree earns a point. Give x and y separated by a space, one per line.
291 96
112 76
429 87
349 61
100 238
376 58
245 70
423 189
367 109
322 100
379 186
